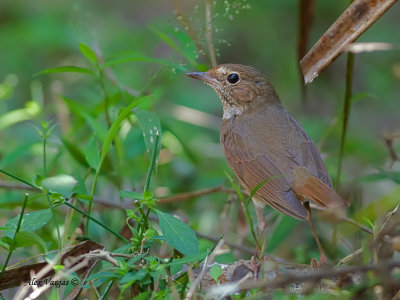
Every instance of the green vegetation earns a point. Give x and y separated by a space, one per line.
101 132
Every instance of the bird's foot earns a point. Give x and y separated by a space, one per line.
253 266
323 260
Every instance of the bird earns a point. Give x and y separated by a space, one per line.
264 145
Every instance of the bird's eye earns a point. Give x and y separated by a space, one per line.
233 78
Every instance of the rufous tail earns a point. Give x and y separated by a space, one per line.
312 188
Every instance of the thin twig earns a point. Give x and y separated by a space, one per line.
209 260
202 192
316 276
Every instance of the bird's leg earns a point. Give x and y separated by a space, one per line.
322 256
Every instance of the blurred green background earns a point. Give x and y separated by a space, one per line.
36 35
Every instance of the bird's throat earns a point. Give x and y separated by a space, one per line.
231 110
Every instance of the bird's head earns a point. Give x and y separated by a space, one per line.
237 86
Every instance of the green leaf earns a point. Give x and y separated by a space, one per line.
30 222
25 239
150 124
141 58
98 128
92 153
66 69
168 40
189 259
361 96
131 277
143 296
131 195
30 110
62 184
75 152
282 231
178 234
215 272
89 53
112 132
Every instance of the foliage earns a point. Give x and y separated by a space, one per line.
100 129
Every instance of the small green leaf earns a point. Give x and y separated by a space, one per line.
189 259
75 152
98 127
25 239
62 184
131 277
148 199
150 124
112 132
92 153
56 198
215 272
66 69
7 243
89 53
131 195
143 296
30 222
141 58
5 246
178 234
190 57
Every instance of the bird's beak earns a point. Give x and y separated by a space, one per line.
203 76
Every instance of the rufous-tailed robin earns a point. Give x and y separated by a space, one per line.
262 142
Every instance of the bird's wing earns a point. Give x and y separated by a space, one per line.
305 152
270 153
257 159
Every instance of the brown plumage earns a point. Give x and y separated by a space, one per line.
262 141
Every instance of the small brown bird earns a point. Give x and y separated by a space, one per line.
263 142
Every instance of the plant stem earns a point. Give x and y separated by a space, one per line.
147 184
46 192
209 31
96 175
152 161
19 179
15 234
106 290
44 157
70 205
346 112
97 222
247 213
